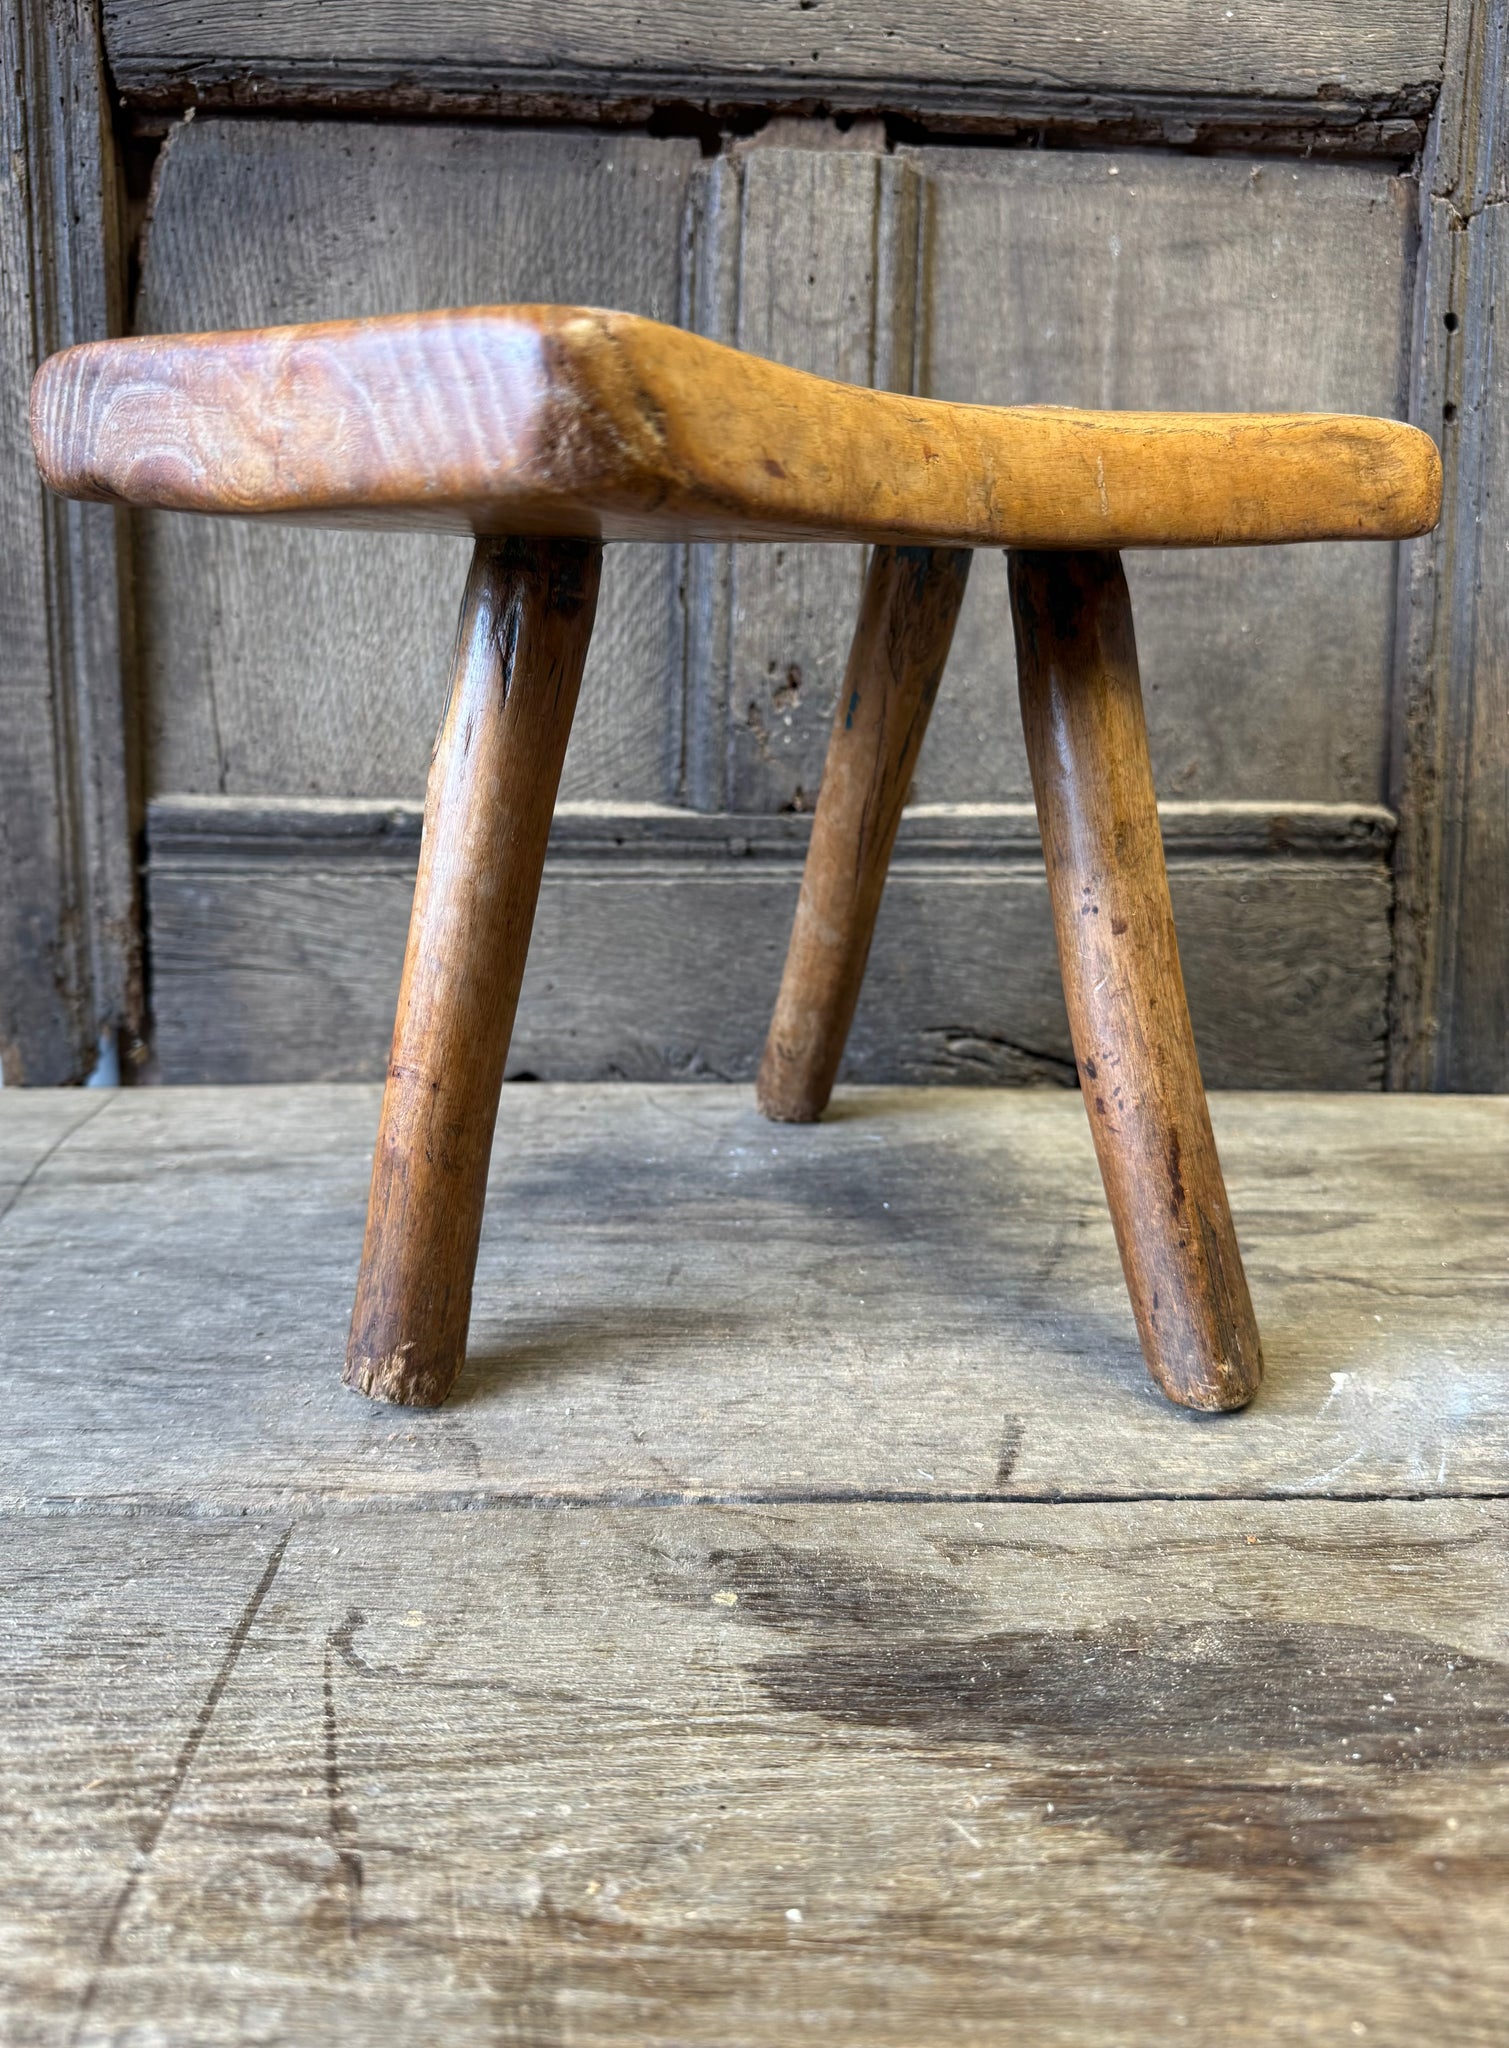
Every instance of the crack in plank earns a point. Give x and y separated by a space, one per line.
53 1150
319 1507
105 1953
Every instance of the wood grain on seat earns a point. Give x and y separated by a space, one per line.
559 420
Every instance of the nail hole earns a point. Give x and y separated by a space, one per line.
1448 412
1450 322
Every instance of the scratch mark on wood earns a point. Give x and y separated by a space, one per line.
343 1640
1013 1433
342 1819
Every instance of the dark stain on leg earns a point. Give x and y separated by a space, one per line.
1174 1155
1238 1362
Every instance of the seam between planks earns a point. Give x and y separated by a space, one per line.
337 1507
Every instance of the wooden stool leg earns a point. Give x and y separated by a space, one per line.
525 622
1087 744
906 622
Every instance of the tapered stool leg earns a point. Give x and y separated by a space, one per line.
525 622
906 623
1087 745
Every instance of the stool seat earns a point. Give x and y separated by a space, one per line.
565 421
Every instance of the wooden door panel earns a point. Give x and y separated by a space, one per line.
1302 146
1342 74
307 669
278 935
1178 282
277 660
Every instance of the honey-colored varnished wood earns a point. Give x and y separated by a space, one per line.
1092 778
559 420
906 623
525 623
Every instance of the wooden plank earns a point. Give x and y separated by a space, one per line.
68 944
117 1648
276 944
228 1003
1339 74
1450 768
1474 1034
710 1775
1162 281
919 1296
333 685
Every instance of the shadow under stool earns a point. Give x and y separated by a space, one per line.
544 431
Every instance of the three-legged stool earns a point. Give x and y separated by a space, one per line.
545 431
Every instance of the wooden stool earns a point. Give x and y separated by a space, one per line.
544 431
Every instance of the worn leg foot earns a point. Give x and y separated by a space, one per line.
1087 744
525 622
906 622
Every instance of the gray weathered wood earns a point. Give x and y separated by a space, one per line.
35 1125
1124 280
1338 74
68 945
270 827
920 1295
822 1707
741 1774
116 1656
1451 729
278 931
315 662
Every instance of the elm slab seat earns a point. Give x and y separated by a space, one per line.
544 431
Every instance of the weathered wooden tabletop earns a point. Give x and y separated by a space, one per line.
805 1622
